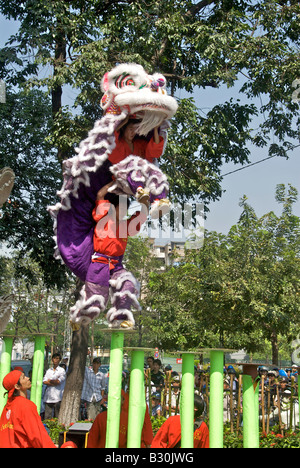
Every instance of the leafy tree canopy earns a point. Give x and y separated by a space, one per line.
242 288
196 44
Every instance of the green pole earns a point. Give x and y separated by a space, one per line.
256 406
216 399
38 371
137 401
187 401
250 414
114 390
5 367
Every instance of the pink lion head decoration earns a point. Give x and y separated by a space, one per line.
128 88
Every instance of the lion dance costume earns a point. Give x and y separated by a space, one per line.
128 92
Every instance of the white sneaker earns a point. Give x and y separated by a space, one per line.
159 208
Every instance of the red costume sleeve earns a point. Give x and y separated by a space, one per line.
143 148
154 150
37 435
23 426
147 432
201 437
96 437
169 433
101 209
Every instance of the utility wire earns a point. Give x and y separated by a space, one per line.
253 164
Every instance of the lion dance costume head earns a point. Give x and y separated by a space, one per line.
128 91
129 88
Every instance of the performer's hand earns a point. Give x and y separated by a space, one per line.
103 191
124 122
156 135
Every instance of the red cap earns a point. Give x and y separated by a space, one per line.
10 380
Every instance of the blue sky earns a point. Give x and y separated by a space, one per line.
258 182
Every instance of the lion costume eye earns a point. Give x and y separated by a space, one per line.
124 80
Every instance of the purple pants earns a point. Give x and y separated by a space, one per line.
102 282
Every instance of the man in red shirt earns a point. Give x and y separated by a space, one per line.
20 424
169 435
97 435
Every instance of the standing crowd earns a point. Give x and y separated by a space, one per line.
21 425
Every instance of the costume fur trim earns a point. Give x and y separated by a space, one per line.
113 313
85 307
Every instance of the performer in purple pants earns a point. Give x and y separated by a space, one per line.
106 274
128 90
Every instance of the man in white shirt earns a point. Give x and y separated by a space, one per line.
54 379
93 389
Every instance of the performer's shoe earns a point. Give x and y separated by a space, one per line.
74 326
142 195
159 208
121 324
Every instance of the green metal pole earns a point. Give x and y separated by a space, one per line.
38 371
137 401
256 405
114 390
250 414
216 399
187 401
5 367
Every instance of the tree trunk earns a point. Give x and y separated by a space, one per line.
275 353
70 405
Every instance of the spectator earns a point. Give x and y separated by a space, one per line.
284 406
54 380
93 389
226 400
20 424
169 435
271 384
97 435
156 404
150 361
294 371
65 361
175 394
157 376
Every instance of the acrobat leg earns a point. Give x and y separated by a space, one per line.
124 296
138 177
92 301
94 295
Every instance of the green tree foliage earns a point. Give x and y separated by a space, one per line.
242 288
197 45
209 43
25 223
36 307
139 260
